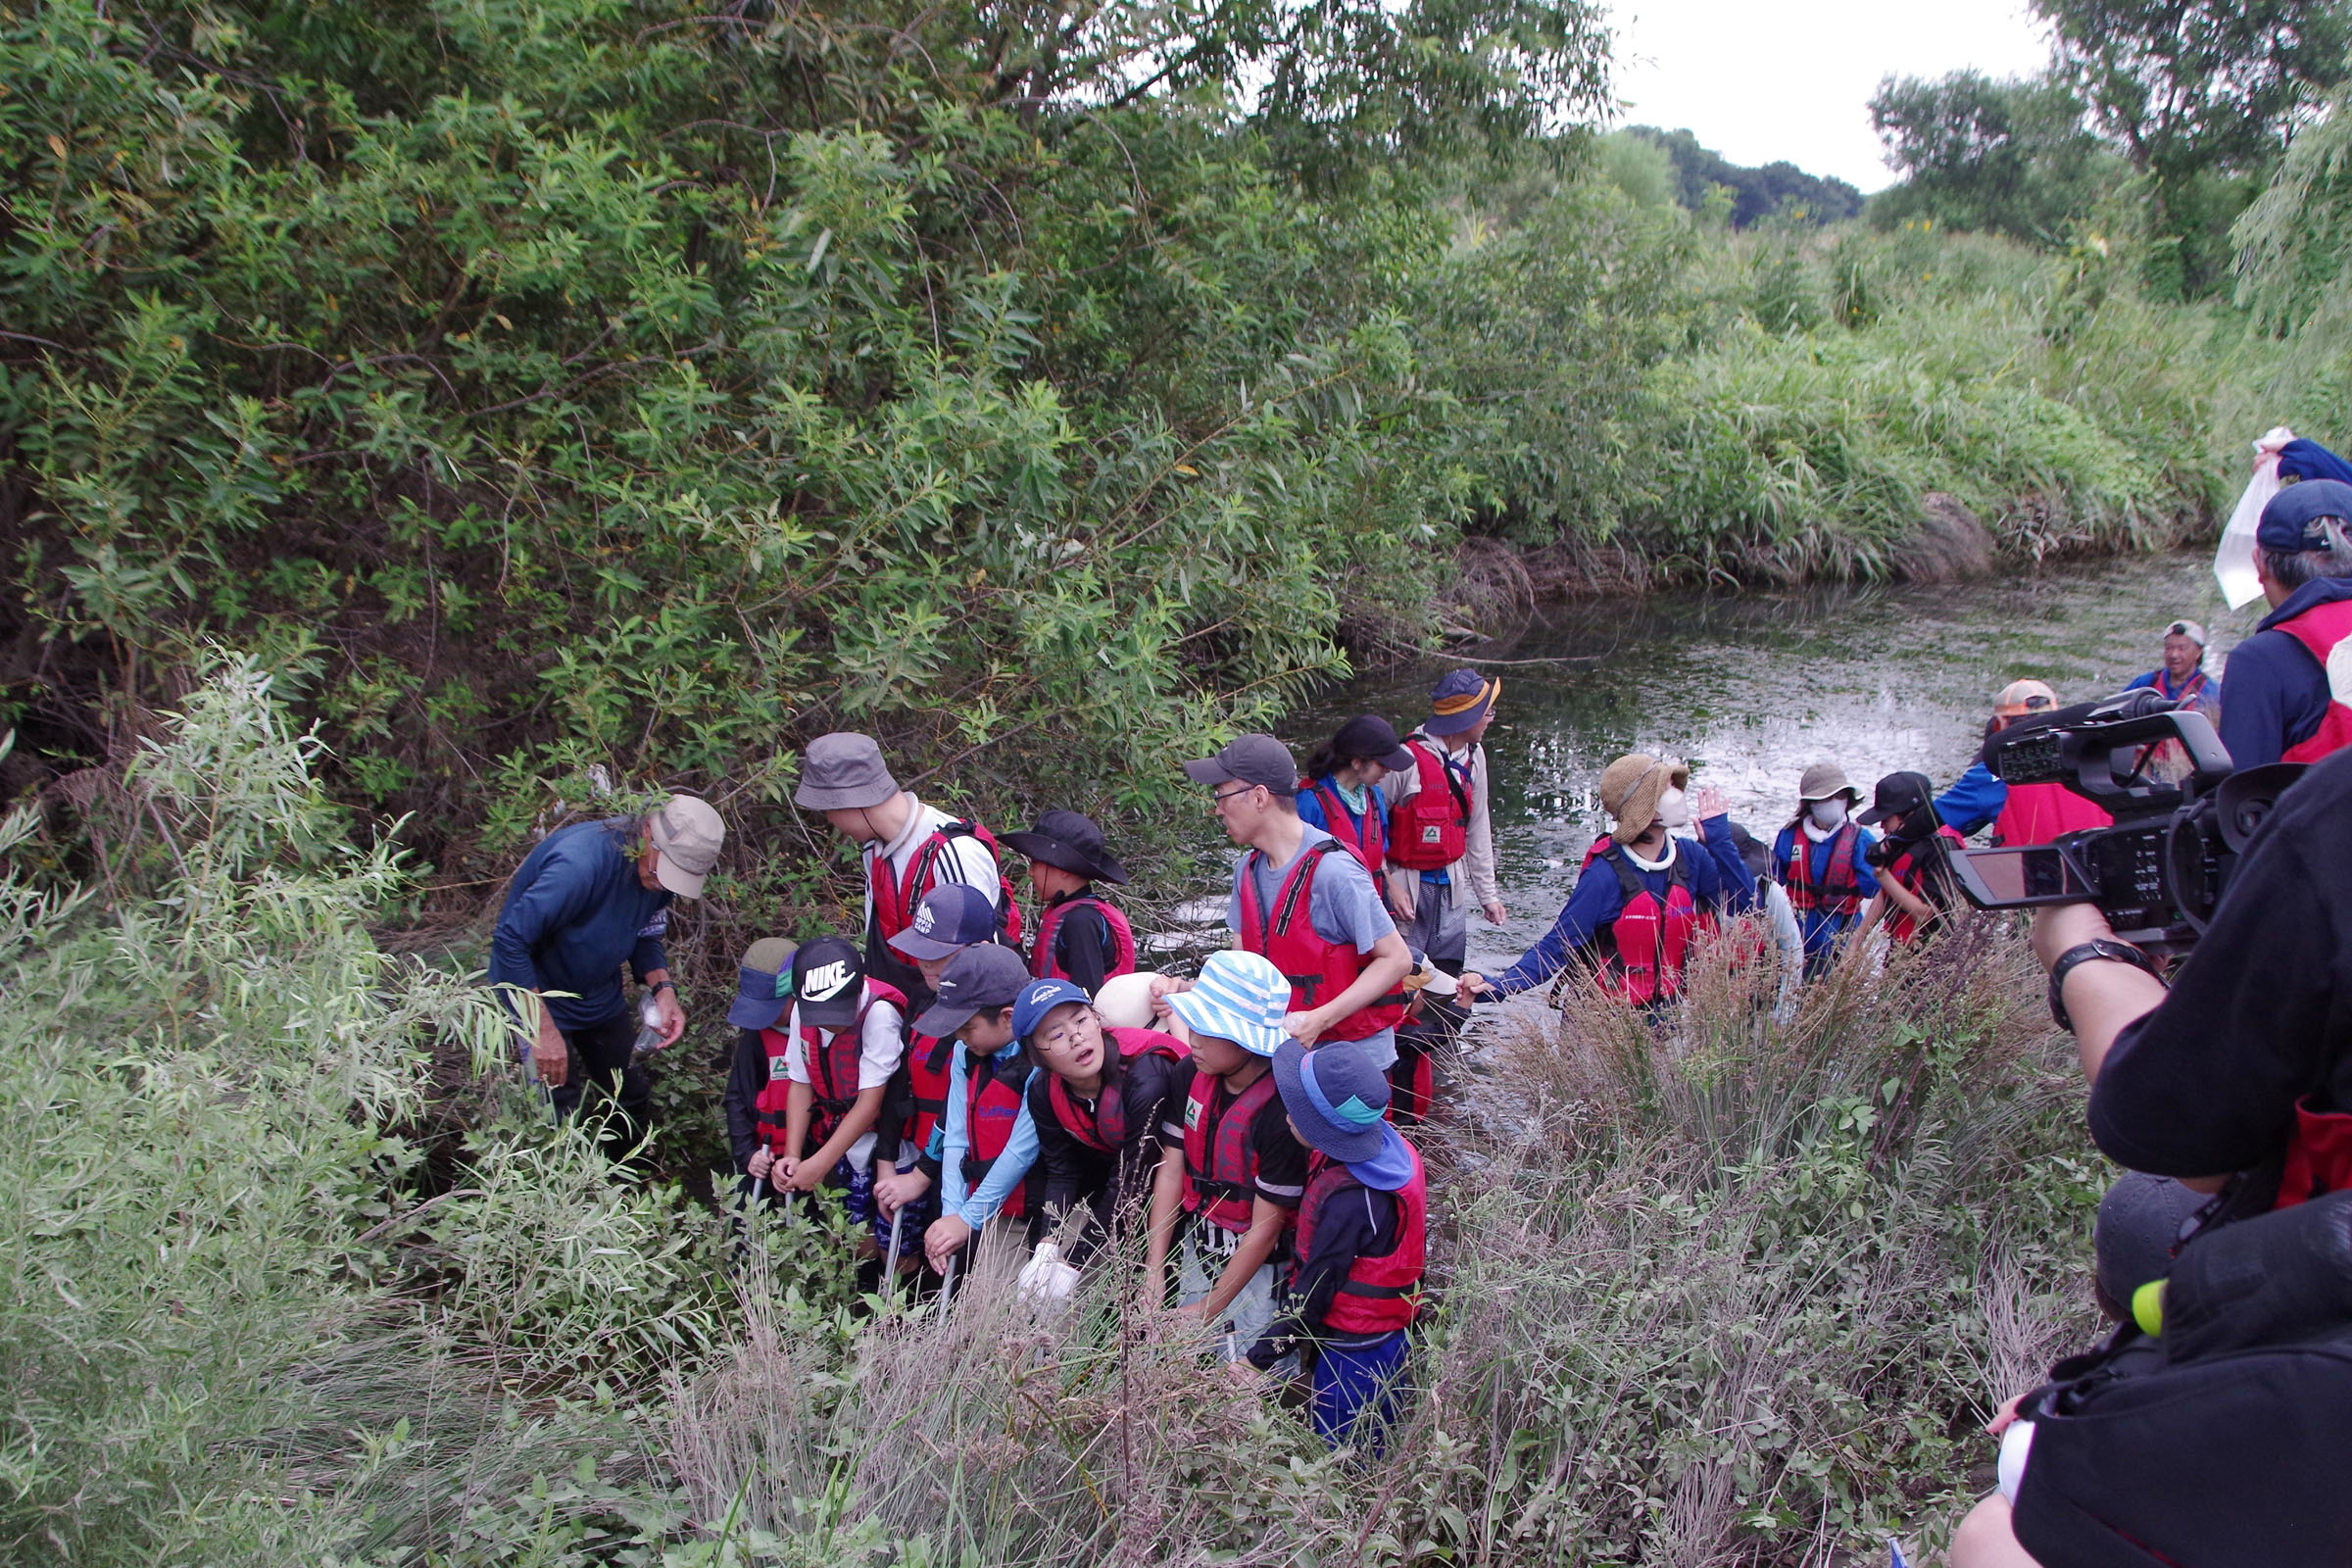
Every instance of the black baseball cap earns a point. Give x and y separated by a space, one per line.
1897 792
1259 759
1370 735
976 979
828 982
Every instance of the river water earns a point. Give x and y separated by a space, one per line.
1751 689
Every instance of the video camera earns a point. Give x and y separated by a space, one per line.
2181 818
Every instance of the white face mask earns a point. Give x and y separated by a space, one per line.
1674 809
1829 813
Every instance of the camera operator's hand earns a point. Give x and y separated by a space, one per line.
2103 995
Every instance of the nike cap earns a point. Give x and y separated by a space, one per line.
828 982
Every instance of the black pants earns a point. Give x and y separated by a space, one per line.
603 1081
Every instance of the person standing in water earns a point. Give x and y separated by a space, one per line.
1440 831
1341 793
2182 676
1822 859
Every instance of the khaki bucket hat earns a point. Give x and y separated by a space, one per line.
1629 788
1823 781
688 832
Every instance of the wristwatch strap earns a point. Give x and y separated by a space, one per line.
2100 947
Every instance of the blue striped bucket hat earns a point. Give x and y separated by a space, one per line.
1240 996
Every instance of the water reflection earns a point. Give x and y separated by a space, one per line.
1752 688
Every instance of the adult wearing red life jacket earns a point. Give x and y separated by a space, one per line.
1341 791
1821 857
1305 903
1232 1184
906 847
1638 904
1106 1105
1914 858
1441 827
2239 1078
2290 681
2035 813
1081 935
1361 1245
985 1149
2182 676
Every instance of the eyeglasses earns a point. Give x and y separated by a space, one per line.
1063 1033
1222 796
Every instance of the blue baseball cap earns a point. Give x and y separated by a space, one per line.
1240 996
951 917
763 984
2290 523
1336 1098
1039 998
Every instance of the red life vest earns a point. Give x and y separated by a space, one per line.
1042 963
1314 967
895 901
1836 895
1383 1293
1220 1169
1103 1127
994 1093
1643 948
2319 1156
1428 830
774 1100
831 1060
2321 630
2037 814
1906 869
1365 838
927 1066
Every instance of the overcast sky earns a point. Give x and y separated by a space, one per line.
1792 78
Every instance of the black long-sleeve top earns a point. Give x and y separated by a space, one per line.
1151 1092
1360 1222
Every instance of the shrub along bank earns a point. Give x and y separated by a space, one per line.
293 1273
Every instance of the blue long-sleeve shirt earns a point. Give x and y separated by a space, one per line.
2277 692
1376 805
1720 880
952 1138
575 912
1975 799
1822 928
2206 701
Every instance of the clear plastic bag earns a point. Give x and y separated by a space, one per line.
2233 561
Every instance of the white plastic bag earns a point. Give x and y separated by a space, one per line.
2233 561
1046 1282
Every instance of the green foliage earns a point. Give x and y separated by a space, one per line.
1776 190
2010 157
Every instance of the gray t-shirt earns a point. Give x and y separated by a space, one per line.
1344 906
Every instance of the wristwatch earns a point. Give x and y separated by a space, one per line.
2099 947
660 986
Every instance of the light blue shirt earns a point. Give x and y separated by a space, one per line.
953 1139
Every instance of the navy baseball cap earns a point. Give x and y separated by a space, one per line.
828 982
1041 997
763 984
1370 735
2291 521
981 977
951 917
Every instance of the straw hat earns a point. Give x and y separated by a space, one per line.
1629 788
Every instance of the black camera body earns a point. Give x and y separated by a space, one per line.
2181 818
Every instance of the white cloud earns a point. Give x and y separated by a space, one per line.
1792 80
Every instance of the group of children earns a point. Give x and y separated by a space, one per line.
958 1069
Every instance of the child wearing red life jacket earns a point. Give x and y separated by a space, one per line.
842 1036
1106 1105
1340 792
1916 884
1081 935
1820 859
1235 1180
985 1148
1433 1020
762 991
1361 1244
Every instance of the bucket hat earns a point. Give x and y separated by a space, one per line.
1125 999
688 832
828 982
950 918
1824 781
763 984
843 771
1071 841
1249 759
1335 1096
1458 701
1240 996
1629 788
